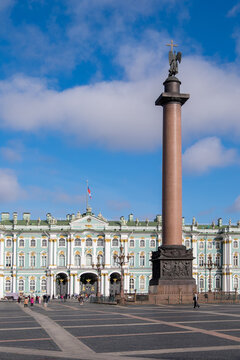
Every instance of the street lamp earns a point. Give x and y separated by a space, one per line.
210 265
120 259
99 266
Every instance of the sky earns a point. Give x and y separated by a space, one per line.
78 83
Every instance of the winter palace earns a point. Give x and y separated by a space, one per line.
81 254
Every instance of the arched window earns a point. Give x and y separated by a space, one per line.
201 245
9 243
235 260
33 260
89 242
201 260
201 283
44 242
218 283
21 260
235 283
235 244
115 242
77 242
114 260
217 245
142 260
43 285
142 283
142 243
33 243
21 285
131 284
44 260
8 260
61 260
100 242
77 260
8 285
32 285
100 259
89 259
61 242
209 259
187 243
21 243
209 245
218 260
152 243
131 243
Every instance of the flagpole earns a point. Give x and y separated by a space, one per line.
87 196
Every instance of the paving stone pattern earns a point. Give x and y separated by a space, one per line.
70 331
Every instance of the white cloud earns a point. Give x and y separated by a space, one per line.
10 154
10 190
235 207
206 154
234 10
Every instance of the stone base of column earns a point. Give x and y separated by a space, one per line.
172 280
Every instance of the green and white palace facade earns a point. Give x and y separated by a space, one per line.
80 254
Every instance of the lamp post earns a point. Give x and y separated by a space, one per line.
210 265
120 259
99 266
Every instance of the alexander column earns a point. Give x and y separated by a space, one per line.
172 263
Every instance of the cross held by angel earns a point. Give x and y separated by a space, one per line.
173 59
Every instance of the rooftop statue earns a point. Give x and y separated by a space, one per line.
173 59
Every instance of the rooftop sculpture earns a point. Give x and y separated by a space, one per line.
173 59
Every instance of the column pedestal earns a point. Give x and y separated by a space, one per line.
172 281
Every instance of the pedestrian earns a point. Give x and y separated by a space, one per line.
26 302
19 299
32 301
195 301
80 299
39 300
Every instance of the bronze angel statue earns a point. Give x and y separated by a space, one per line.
173 62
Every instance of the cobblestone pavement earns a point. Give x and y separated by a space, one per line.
70 331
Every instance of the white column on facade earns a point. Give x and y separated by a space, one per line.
55 252
83 257
126 281
226 263
14 251
50 252
48 284
107 251
68 251
1 285
52 285
76 284
195 258
107 285
229 276
1 252
94 254
102 292
71 281
72 251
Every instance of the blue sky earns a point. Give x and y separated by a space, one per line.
78 82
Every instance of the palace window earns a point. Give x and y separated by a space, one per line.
115 242
43 285
142 260
114 260
217 245
201 283
152 243
77 260
61 242
100 259
235 244
21 285
131 260
33 260
9 243
100 242
218 283
131 284
32 285
187 243
201 245
44 242
21 243
142 243
8 260
44 260
89 260
21 261
210 245
131 243
201 260
235 283
77 242
8 285
62 260
235 260
142 283
33 243
218 260
89 242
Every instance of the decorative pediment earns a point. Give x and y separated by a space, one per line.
89 221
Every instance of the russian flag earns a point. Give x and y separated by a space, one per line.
89 192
